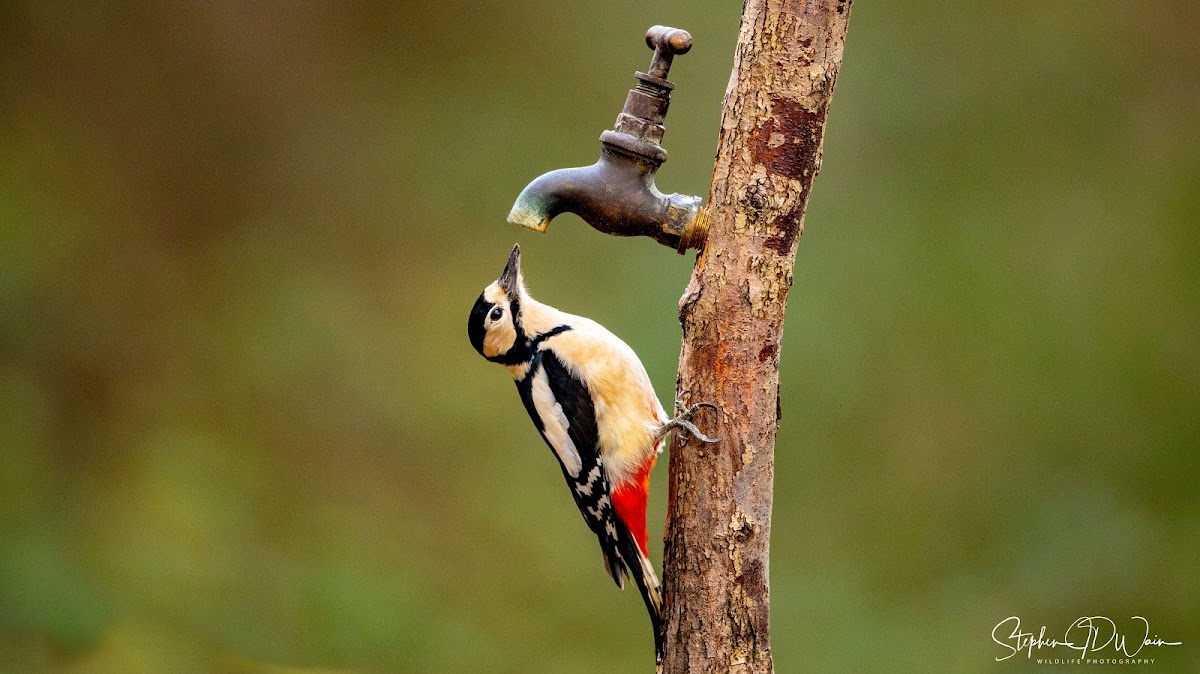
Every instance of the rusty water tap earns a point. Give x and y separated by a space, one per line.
617 194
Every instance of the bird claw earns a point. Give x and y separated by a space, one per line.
682 422
687 428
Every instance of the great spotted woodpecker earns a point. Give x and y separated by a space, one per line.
590 398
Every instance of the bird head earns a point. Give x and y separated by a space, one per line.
495 323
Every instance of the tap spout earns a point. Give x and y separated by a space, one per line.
616 195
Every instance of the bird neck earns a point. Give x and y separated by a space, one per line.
538 319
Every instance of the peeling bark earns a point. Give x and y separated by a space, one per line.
719 513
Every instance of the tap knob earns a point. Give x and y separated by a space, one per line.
666 43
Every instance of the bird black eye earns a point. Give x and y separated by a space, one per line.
497 312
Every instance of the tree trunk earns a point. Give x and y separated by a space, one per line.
719 513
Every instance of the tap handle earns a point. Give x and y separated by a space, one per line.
666 43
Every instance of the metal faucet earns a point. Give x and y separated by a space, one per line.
617 194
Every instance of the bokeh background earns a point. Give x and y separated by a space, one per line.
242 428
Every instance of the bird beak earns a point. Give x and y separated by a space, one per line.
510 278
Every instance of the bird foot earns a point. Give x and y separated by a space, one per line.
682 423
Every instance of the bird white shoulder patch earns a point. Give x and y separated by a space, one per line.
554 423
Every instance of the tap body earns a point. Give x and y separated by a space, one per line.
617 194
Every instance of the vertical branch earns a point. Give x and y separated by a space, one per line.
719 513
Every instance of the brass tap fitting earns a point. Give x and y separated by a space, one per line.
617 194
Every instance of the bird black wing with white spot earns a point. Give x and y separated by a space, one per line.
562 411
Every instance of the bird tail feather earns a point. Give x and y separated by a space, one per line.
642 572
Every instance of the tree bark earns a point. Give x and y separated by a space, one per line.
719 513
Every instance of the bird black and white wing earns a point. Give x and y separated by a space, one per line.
563 412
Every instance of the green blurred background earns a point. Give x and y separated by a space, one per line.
243 429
